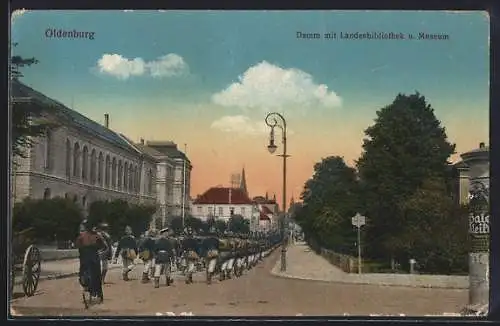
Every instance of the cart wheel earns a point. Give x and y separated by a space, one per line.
31 270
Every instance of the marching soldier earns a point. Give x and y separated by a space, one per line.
189 247
105 255
163 251
127 248
241 255
224 254
146 253
211 252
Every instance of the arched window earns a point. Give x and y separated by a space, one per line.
120 175
113 173
108 170
99 169
76 160
150 182
136 173
130 178
125 177
46 193
93 167
48 150
68 158
85 163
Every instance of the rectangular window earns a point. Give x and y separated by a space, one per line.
210 211
200 209
243 211
231 210
221 211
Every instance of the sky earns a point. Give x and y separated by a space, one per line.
208 78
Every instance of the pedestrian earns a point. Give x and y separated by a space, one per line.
89 244
163 251
127 248
211 250
146 254
107 254
190 247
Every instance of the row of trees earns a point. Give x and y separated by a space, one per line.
402 183
58 219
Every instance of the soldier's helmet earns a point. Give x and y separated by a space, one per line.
128 230
164 232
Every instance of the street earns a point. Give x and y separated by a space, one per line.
256 293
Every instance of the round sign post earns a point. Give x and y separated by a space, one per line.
358 221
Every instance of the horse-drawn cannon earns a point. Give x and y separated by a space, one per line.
25 261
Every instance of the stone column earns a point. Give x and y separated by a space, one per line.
479 226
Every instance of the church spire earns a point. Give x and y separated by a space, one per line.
243 182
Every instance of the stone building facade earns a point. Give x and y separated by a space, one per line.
80 159
176 176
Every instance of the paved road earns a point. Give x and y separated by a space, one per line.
256 293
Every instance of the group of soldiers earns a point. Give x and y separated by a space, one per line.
162 252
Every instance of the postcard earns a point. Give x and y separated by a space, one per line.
249 163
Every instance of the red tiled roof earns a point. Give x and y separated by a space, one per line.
266 210
264 217
220 195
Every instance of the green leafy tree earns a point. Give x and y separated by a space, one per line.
51 219
220 225
27 121
330 199
405 146
434 232
176 224
238 224
210 223
119 214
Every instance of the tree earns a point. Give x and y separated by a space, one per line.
119 214
51 219
238 224
404 147
329 201
26 116
220 225
434 232
176 224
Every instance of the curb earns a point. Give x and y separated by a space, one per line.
276 273
59 276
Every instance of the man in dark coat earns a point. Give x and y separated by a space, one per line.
190 249
127 248
163 252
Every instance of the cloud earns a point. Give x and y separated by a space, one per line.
240 124
17 13
268 86
116 65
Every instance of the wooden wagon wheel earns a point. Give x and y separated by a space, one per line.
31 270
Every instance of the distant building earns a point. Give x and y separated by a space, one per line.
80 159
269 203
178 170
222 203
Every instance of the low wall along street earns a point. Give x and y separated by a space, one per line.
349 266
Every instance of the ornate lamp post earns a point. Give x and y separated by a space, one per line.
274 120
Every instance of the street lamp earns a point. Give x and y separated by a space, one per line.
274 120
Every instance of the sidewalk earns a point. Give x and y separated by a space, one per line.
305 264
57 269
